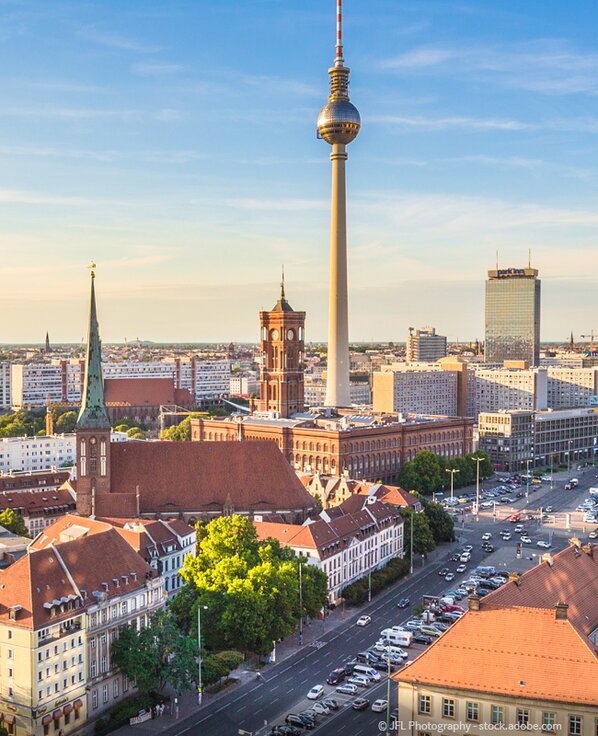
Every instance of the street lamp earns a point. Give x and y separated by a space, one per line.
527 462
300 605
199 683
477 460
452 471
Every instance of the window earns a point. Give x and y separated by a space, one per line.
473 712
522 717
104 665
94 698
115 688
548 720
425 704
93 668
574 725
105 694
123 608
448 708
9 653
126 685
92 642
497 714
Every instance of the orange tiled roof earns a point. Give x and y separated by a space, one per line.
518 651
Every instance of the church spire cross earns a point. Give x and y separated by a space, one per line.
93 413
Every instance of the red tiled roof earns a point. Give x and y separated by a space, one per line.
203 476
515 645
33 480
97 557
38 502
144 392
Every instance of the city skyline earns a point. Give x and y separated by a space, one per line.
133 138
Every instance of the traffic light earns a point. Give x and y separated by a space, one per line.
519 550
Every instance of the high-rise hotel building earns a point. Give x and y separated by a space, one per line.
513 315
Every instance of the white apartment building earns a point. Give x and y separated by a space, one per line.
61 381
571 387
61 607
4 385
37 453
410 389
347 542
510 388
424 345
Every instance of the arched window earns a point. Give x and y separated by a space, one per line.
83 458
103 459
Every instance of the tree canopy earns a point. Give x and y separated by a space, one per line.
13 522
250 587
157 655
423 538
65 422
22 424
426 473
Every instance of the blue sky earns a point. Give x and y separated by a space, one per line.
174 143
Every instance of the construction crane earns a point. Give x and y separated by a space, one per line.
591 336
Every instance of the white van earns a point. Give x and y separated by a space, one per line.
369 672
398 638
594 491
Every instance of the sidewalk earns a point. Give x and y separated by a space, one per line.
313 632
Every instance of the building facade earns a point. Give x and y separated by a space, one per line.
522 658
346 543
424 345
513 315
571 387
37 453
315 392
61 607
507 388
4 385
546 438
370 447
415 390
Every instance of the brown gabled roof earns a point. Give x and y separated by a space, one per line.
38 502
48 571
200 476
33 480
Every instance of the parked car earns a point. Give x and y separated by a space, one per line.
363 621
321 709
359 680
336 676
422 639
403 603
316 692
294 719
593 534
380 705
331 703
285 730
360 704
347 689
412 625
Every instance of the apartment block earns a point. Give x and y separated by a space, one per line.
571 387
4 385
510 388
424 345
405 388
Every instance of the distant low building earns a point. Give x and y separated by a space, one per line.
333 490
39 508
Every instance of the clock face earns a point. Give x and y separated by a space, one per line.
274 334
290 335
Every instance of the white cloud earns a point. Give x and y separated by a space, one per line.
116 40
456 121
156 69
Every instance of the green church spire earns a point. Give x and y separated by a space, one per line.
93 413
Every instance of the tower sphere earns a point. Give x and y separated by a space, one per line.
339 122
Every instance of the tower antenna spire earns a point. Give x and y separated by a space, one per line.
282 296
529 258
338 59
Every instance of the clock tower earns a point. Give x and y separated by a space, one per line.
282 336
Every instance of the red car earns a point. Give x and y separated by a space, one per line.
449 608
360 704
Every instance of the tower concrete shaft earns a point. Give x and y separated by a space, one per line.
338 124
337 380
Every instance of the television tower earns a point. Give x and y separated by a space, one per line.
338 125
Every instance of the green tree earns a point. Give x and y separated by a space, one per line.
13 522
423 539
441 523
425 473
157 655
250 587
22 424
65 423
179 432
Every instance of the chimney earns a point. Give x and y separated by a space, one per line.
474 602
575 542
561 611
514 577
547 557
588 549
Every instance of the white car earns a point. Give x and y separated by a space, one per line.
380 705
359 680
363 621
467 548
486 537
525 539
449 576
316 692
321 709
461 568
543 543
506 536
347 689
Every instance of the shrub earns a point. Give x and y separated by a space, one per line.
357 592
119 716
